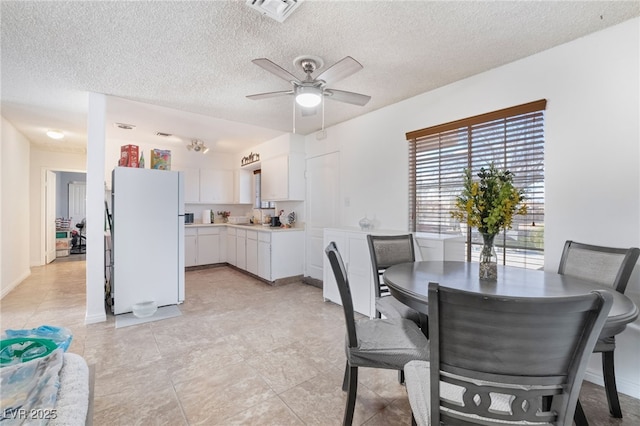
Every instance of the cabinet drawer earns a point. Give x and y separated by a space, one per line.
265 237
252 235
190 231
209 231
231 231
241 233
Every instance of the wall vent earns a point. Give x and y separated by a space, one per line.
275 9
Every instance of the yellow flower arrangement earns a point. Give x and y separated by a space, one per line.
489 204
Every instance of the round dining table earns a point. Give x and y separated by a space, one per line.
409 283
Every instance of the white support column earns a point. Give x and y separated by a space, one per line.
95 208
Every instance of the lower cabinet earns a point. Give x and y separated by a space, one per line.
270 255
202 246
252 252
231 246
190 247
354 249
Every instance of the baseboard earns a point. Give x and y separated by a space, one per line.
96 318
15 283
624 386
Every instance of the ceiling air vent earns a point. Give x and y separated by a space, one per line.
276 9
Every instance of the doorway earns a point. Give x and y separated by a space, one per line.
323 209
64 205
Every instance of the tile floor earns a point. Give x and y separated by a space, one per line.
242 352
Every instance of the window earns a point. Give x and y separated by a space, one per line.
513 139
258 203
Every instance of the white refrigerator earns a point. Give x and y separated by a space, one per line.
147 237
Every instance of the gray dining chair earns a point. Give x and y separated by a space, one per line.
612 267
497 360
376 343
386 251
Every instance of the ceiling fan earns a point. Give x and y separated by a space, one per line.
308 93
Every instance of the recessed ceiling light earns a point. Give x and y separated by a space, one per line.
55 134
124 126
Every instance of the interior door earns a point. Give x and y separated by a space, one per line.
323 195
50 216
77 202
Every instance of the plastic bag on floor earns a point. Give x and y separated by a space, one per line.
59 335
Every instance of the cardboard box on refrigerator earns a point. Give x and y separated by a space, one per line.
161 159
128 156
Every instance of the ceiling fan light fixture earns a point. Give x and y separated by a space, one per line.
308 97
198 146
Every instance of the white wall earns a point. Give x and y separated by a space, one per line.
14 208
592 159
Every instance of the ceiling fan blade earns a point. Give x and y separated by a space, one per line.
270 95
276 69
348 97
341 69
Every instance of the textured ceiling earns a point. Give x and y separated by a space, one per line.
195 57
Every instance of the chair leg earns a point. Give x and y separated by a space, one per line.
401 377
351 396
579 417
609 374
413 420
345 380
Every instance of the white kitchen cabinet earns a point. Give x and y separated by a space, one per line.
354 249
191 185
208 246
216 186
252 252
190 247
202 246
282 178
242 187
264 255
231 246
441 247
287 254
241 248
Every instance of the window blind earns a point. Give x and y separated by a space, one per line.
512 139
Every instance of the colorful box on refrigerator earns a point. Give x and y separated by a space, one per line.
161 159
128 156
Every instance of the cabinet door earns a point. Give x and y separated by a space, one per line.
252 252
231 249
275 179
242 187
208 249
216 186
191 185
329 286
190 249
264 260
360 273
241 249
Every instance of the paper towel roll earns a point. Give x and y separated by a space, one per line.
206 216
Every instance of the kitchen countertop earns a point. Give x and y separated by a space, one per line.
248 226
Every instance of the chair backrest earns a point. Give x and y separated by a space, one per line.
605 265
340 273
533 349
386 251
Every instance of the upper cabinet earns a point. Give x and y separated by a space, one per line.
283 178
216 186
242 187
208 186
